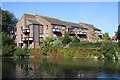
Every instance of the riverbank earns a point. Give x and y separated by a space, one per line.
64 52
83 53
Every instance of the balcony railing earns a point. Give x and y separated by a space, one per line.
100 34
30 39
56 30
82 33
26 31
27 39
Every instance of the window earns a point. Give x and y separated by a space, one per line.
46 26
41 39
21 27
41 29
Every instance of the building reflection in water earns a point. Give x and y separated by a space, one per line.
62 69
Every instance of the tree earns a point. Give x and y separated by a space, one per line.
7 44
106 37
46 44
66 39
118 33
0 28
8 21
118 36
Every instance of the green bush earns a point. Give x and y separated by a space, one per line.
66 39
107 51
75 53
119 44
57 44
75 44
19 52
7 44
46 44
67 53
75 39
7 50
85 45
7 39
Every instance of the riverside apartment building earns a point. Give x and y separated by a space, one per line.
31 30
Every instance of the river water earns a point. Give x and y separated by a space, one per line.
60 68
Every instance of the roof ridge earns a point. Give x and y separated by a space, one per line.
90 25
50 17
86 23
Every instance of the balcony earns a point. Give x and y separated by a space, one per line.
24 39
30 39
26 31
56 30
71 32
100 35
81 33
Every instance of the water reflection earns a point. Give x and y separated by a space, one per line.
60 68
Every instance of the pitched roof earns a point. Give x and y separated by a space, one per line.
54 20
90 25
33 21
61 22
76 25
114 37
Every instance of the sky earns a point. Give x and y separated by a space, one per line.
59 0
103 15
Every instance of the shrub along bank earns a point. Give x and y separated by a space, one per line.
77 49
108 51
65 53
85 44
21 52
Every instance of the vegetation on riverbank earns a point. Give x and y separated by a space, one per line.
21 52
107 51
9 48
50 48
8 45
100 50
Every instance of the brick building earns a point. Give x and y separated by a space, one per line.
31 30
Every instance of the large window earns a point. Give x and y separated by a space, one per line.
41 29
